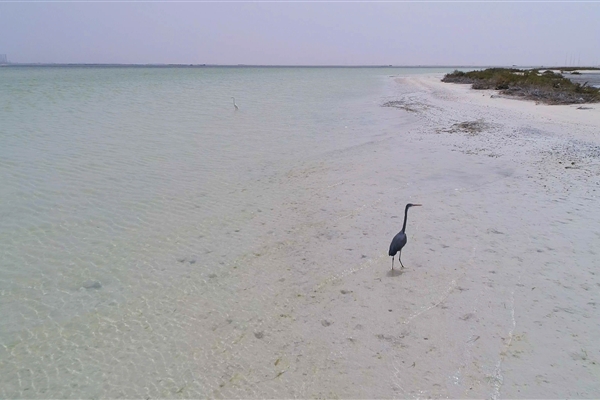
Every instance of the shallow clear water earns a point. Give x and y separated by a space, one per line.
123 184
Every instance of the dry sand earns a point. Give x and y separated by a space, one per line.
500 295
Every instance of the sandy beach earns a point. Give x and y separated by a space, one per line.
499 297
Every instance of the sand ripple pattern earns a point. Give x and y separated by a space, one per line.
146 225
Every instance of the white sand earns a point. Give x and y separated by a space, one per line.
500 295
515 294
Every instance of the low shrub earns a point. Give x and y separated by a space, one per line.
548 87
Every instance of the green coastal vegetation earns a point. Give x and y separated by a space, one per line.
547 87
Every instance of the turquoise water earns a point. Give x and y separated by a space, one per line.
121 186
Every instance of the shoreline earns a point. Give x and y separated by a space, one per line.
500 260
487 292
498 298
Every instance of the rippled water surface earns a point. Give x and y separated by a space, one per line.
124 191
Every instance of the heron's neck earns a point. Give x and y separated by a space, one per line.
405 217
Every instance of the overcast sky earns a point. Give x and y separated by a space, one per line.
302 33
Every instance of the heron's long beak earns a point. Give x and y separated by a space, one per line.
417 205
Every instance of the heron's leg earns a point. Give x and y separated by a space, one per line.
392 263
399 255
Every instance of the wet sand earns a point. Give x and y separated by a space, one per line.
499 298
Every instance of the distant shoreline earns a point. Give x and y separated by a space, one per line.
230 66
92 65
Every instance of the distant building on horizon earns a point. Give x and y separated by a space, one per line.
3 59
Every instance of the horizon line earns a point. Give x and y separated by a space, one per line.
283 65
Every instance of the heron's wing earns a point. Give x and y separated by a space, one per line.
398 243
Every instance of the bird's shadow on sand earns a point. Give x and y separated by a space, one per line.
395 272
